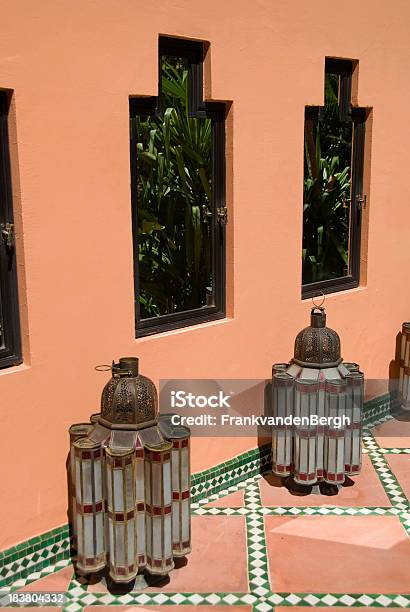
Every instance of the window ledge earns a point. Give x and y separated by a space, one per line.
184 330
339 292
22 367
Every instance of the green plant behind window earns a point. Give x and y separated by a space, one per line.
174 191
326 194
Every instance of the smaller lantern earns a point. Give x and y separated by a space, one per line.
404 380
317 404
130 481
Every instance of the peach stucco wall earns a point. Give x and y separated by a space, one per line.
72 65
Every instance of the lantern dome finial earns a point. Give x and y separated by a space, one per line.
317 346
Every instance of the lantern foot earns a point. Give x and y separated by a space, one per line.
297 488
156 580
348 482
120 588
180 562
87 578
328 489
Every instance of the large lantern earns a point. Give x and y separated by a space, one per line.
130 481
317 404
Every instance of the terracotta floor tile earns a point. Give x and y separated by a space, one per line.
326 609
233 500
331 554
394 433
210 566
366 491
400 465
58 581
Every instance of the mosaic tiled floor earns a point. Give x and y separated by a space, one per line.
257 547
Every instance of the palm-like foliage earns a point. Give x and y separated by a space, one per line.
326 193
174 186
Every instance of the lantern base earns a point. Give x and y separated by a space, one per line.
87 571
123 580
181 553
297 487
405 404
160 571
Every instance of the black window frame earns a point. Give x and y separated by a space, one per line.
10 338
194 52
358 115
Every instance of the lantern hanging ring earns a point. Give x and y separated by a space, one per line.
103 368
114 368
321 303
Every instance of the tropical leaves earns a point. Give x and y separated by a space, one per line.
174 188
327 184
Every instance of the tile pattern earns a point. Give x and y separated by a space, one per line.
34 555
215 480
35 576
258 570
243 473
379 409
395 451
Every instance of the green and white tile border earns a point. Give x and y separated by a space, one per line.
380 409
258 569
34 555
49 553
231 472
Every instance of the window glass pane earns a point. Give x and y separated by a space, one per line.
2 339
9 323
174 195
327 190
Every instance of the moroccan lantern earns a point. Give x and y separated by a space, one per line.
404 387
317 404
130 481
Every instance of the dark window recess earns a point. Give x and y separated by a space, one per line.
178 196
333 198
10 347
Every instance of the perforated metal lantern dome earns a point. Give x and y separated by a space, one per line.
129 400
129 481
317 346
311 394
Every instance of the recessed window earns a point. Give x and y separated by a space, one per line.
333 198
10 350
178 196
